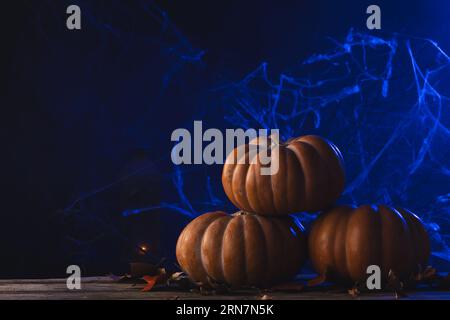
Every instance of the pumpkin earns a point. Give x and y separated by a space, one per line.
345 240
242 249
310 177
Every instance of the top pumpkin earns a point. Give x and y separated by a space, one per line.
310 176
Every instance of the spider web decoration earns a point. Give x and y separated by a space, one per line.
384 101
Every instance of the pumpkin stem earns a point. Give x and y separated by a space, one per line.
242 213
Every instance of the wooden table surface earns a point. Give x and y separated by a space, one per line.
105 288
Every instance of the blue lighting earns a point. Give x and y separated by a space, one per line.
382 100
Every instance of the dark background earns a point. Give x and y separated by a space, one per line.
87 115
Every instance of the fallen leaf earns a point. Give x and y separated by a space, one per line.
354 292
395 285
151 281
180 280
428 275
317 281
393 281
177 275
265 297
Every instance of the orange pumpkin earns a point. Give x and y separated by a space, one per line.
345 240
241 249
310 177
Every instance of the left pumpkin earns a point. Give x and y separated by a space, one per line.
242 249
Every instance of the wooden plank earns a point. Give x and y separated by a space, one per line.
105 288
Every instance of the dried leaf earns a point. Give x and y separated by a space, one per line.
428 275
354 292
394 282
180 280
317 281
395 285
151 281
265 297
177 275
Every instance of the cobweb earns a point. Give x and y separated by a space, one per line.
383 100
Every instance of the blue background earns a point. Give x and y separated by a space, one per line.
88 115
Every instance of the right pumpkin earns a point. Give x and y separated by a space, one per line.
344 241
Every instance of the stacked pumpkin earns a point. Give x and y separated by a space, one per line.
262 244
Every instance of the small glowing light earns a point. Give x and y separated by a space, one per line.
143 248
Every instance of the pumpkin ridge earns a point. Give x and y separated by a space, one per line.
322 189
244 249
421 237
221 247
272 193
273 271
241 201
295 232
414 235
209 270
260 191
227 179
409 237
247 177
332 246
348 215
233 252
283 268
291 147
266 254
204 220
285 195
387 218
376 211
329 176
201 251
333 160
